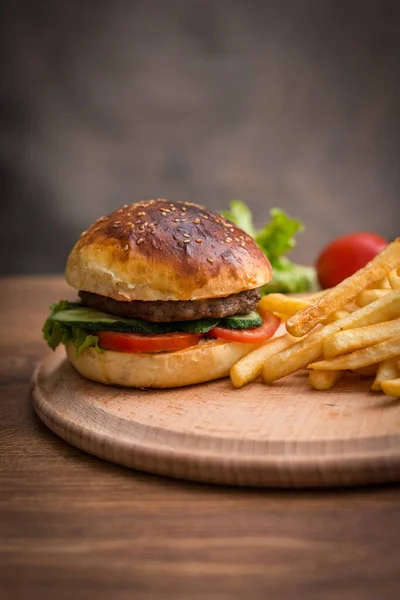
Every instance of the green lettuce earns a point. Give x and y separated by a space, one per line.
275 239
56 333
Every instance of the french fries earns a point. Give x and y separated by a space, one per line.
391 387
361 358
352 327
250 367
344 342
367 296
386 370
281 304
324 380
335 298
394 279
309 349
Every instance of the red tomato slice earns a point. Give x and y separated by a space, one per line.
345 255
249 336
135 342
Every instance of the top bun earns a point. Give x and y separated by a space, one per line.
161 250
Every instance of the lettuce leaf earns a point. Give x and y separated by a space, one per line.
275 239
56 333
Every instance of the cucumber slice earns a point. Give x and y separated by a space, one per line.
199 326
95 320
248 321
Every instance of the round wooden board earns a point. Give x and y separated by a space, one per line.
285 435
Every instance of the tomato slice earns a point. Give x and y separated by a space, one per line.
250 336
135 342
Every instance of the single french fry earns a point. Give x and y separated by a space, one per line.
394 279
367 296
279 303
324 380
391 387
335 298
369 371
387 369
349 340
383 283
250 367
335 316
360 358
309 349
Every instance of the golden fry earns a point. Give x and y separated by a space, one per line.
250 367
367 296
383 284
361 358
391 387
349 340
335 298
335 316
324 380
394 279
387 369
279 303
309 349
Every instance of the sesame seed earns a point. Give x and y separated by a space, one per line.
183 219
186 241
210 260
163 209
139 241
172 207
242 244
183 208
115 225
236 239
164 214
177 220
117 222
228 239
120 210
83 233
125 206
132 225
141 214
199 241
196 221
204 216
126 247
186 235
128 214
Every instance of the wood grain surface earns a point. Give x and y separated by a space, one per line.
73 526
284 435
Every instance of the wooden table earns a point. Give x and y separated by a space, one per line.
73 526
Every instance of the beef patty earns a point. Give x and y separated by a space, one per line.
160 311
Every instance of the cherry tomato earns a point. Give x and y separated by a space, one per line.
250 336
135 342
345 255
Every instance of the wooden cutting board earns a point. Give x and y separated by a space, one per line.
285 435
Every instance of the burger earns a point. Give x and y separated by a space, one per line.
168 295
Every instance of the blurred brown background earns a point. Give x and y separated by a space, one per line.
288 103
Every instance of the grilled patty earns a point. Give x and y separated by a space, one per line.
160 311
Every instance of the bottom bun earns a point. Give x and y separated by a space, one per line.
207 361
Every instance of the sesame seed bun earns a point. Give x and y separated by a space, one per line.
207 361
161 250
